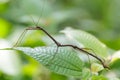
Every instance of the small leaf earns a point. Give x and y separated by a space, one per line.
88 40
63 61
116 55
86 74
95 68
99 78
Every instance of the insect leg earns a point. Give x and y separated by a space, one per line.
20 38
51 60
22 35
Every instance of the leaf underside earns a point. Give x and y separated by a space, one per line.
62 60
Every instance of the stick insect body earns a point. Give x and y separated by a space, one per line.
62 45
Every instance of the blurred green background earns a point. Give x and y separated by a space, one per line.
99 17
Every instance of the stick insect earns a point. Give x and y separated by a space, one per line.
59 44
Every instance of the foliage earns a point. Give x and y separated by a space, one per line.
86 17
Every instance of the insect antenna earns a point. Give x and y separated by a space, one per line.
25 31
42 10
33 20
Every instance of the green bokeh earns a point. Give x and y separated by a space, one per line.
5 28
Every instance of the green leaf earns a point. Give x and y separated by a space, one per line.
86 74
99 78
95 68
87 40
63 61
